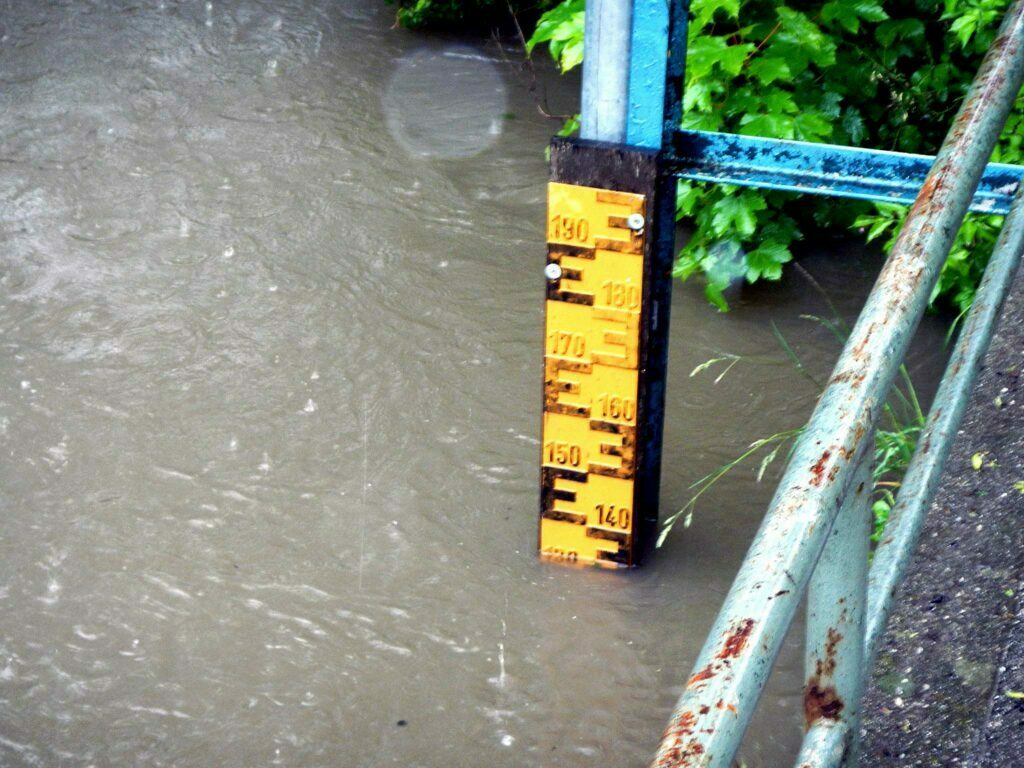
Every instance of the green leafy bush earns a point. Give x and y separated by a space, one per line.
462 15
883 73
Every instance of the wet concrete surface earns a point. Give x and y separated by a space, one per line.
952 661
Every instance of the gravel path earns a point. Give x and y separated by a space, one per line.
944 690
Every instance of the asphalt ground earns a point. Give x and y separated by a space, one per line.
948 684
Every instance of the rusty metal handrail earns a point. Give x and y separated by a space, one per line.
818 512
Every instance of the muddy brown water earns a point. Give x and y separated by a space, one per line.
271 323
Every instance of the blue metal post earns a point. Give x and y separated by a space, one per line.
835 625
648 64
607 35
823 169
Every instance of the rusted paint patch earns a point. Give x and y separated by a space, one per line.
821 703
682 755
683 747
831 648
849 375
858 351
826 667
736 640
698 677
819 468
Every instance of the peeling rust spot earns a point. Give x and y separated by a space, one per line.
675 735
821 702
826 667
736 640
831 644
681 755
819 468
858 351
705 674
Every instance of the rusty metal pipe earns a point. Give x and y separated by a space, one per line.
922 477
836 598
720 695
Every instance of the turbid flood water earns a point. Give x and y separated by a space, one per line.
270 383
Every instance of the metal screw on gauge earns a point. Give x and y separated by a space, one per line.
552 271
635 221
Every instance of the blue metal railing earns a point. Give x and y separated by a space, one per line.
815 534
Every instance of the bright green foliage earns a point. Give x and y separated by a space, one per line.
883 73
562 29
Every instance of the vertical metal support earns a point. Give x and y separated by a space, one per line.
607 36
835 623
648 64
607 314
606 322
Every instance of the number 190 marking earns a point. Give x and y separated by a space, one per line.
569 228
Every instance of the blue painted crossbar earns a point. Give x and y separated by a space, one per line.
824 169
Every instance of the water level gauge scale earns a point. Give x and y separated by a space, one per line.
595 298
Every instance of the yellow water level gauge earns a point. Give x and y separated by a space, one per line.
593 319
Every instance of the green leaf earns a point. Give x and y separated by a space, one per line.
766 261
702 55
552 23
853 124
732 59
811 126
888 32
562 28
850 12
697 96
773 126
704 11
570 126
713 293
687 196
737 215
799 33
571 55
768 69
